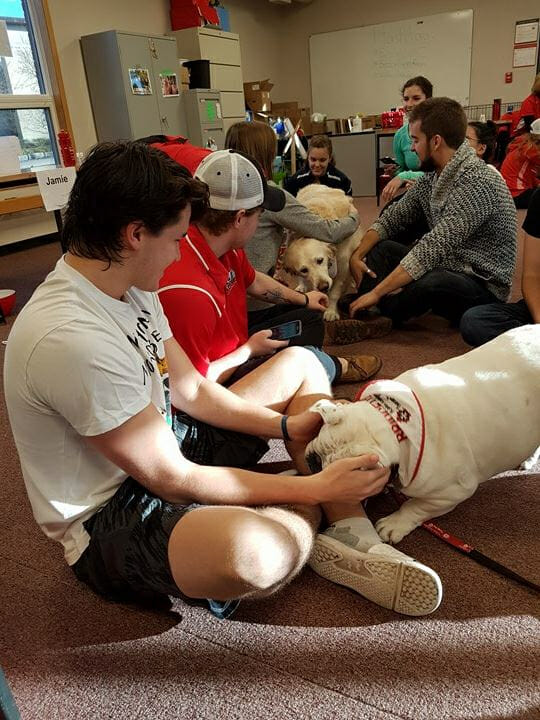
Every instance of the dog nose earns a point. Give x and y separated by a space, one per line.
323 287
314 462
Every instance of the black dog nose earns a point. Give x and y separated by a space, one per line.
323 287
314 462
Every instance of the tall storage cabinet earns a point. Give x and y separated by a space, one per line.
222 49
119 113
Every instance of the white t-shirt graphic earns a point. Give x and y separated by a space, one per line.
79 363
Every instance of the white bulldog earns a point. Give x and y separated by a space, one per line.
447 427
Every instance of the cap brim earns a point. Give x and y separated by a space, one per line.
274 199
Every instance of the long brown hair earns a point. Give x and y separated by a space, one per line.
256 139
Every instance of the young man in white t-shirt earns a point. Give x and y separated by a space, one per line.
91 370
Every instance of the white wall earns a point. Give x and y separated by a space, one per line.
493 37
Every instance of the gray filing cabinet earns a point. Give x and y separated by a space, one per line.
354 154
119 113
222 49
204 118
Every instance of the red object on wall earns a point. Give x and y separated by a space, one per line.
66 149
192 13
508 77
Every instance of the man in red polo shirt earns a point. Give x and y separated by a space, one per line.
214 277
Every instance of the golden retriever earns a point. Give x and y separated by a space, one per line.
310 264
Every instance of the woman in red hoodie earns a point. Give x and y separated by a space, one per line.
521 166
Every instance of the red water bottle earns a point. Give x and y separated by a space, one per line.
496 113
66 149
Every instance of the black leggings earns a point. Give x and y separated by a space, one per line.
312 323
522 201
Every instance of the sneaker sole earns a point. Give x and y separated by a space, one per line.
377 328
409 588
367 330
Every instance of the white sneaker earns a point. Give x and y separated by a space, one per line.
383 574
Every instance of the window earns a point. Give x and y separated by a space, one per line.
27 106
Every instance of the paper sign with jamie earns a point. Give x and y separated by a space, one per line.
55 186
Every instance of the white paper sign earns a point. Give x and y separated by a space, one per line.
524 56
5 47
55 186
526 32
10 149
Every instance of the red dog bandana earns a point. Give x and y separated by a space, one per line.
400 407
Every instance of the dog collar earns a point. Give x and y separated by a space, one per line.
401 408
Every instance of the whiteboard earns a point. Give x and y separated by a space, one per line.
362 70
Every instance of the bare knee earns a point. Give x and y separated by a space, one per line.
301 357
227 552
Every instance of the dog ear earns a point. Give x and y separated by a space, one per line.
332 263
331 414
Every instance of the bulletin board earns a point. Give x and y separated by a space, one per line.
363 69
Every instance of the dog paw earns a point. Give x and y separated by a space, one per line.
393 528
331 314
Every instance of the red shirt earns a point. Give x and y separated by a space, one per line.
204 299
183 152
520 166
530 106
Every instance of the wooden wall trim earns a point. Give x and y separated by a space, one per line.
43 20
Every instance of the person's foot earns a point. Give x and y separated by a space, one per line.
383 575
359 368
348 331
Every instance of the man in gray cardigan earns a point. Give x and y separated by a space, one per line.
467 257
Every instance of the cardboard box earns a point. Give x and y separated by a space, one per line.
285 109
318 128
257 95
371 121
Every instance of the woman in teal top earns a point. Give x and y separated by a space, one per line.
415 91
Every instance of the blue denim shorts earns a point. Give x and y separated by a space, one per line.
127 557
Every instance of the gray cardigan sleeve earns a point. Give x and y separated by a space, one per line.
301 221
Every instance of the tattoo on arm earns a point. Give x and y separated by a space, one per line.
274 296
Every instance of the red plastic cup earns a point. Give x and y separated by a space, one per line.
7 301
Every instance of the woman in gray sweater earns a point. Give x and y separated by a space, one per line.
258 140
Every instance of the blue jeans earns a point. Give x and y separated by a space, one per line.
442 292
481 324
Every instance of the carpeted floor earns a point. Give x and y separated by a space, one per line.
315 650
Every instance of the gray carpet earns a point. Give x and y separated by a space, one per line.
315 650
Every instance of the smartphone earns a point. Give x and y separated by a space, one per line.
387 160
286 330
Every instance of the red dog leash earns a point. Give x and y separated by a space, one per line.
469 550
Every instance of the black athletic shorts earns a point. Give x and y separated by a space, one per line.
127 557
